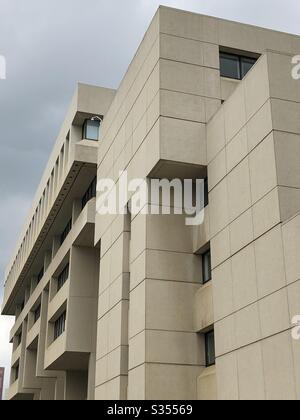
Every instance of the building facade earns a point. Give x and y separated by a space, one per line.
142 306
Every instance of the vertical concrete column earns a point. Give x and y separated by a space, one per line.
76 386
48 390
42 345
93 357
61 164
22 358
67 152
92 373
165 352
49 378
112 339
82 311
30 379
59 394
75 137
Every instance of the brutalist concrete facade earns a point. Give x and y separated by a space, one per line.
134 313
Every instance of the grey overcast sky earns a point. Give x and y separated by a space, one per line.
49 46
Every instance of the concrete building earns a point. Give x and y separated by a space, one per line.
143 306
2 371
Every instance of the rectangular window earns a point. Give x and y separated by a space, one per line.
37 314
66 232
22 305
91 129
60 326
210 349
63 277
90 193
246 65
206 267
235 66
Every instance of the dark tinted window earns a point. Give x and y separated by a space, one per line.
230 66
235 66
210 348
206 267
246 65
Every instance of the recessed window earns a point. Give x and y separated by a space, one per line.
19 339
206 267
235 66
63 277
40 275
17 372
89 194
66 232
37 314
60 326
91 129
210 353
230 66
22 306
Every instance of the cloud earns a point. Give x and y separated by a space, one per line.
14 208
